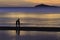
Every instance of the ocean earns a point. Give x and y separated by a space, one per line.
43 17
30 17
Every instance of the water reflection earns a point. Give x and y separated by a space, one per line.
38 35
30 35
30 19
7 35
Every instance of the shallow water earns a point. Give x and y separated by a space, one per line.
30 17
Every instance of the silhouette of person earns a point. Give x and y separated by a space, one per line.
18 26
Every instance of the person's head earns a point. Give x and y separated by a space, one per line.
18 18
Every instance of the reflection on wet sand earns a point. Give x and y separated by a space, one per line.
30 35
34 35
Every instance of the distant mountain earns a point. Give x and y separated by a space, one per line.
44 5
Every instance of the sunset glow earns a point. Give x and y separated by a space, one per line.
28 2
25 15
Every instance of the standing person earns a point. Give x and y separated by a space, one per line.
18 26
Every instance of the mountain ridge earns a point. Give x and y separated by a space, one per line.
44 5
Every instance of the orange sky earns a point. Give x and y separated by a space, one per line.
28 2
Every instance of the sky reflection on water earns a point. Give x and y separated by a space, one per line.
30 19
